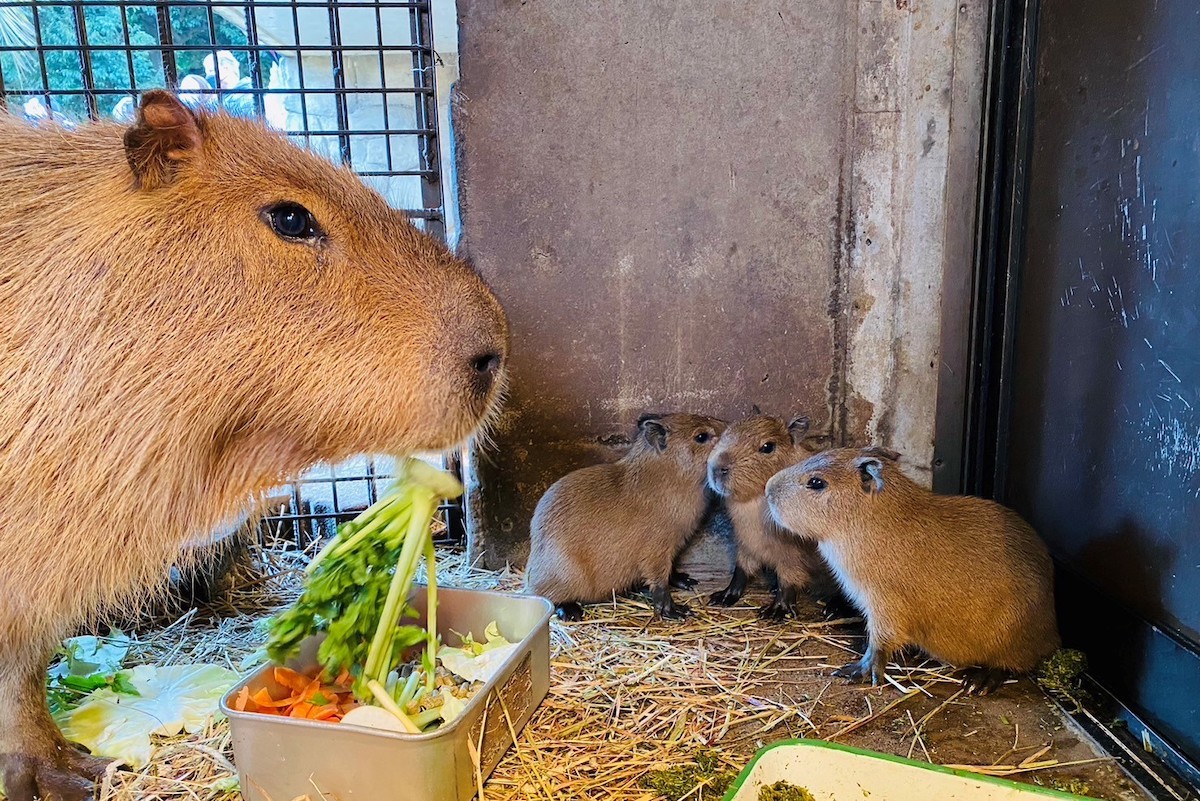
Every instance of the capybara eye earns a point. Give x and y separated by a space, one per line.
816 483
293 221
703 437
767 447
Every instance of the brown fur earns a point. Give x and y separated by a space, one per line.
748 454
964 579
166 357
608 528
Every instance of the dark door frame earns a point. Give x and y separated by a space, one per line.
975 396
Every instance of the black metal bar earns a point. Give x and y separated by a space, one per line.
85 61
253 58
300 68
166 42
264 92
179 48
425 74
41 55
339 82
212 40
387 139
397 4
1007 130
128 47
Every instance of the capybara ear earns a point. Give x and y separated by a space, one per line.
798 427
653 429
882 453
871 472
166 133
754 410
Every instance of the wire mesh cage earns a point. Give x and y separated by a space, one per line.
354 80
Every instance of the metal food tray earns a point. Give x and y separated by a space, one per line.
283 759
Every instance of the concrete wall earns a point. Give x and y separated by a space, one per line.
705 206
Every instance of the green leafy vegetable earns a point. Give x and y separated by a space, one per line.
356 589
169 700
88 663
475 661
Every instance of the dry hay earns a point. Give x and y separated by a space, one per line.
629 695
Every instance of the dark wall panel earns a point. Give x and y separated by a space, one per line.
1105 418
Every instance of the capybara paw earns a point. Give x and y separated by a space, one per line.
682 581
28 777
777 610
838 609
860 672
983 681
673 611
724 598
83 763
570 612
852 671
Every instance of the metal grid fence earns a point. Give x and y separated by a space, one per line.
354 80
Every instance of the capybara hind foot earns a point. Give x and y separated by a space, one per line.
666 606
36 761
983 681
682 581
48 767
724 598
28 777
782 606
734 592
777 610
570 612
83 763
838 607
872 666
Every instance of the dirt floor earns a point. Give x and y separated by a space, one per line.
636 703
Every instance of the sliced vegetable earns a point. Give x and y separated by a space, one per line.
170 700
356 589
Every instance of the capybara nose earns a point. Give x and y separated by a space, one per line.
718 476
484 369
487 363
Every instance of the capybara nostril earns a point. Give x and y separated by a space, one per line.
485 367
487 363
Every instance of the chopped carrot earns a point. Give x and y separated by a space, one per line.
289 678
243 700
264 699
307 698
301 710
325 712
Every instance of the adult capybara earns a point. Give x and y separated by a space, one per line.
963 579
194 308
610 528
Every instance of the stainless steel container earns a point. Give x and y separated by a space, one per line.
282 759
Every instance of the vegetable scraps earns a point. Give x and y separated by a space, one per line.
297 695
356 593
163 701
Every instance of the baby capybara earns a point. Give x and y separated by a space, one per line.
747 455
964 579
609 528
194 308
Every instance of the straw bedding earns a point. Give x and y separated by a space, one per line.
630 699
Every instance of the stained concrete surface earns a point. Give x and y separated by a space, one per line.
706 206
